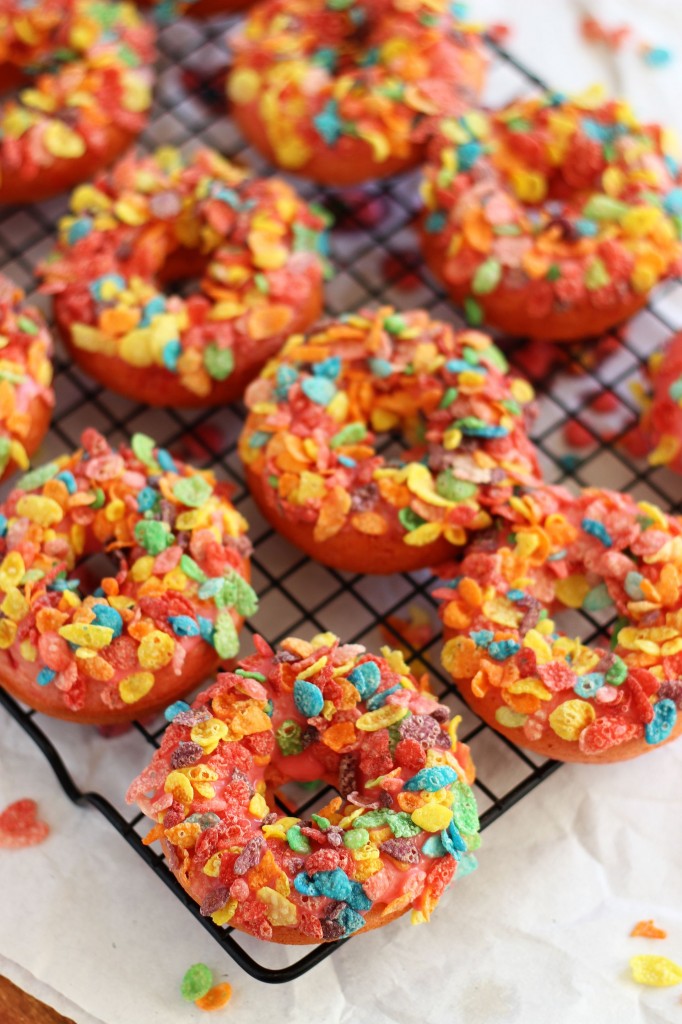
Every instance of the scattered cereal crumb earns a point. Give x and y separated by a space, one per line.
197 982
20 826
216 998
648 930
656 971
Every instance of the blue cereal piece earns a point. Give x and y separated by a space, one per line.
304 884
3 525
105 615
482 637
335 885
500 650
175 709
431 779
67 478
45 676
146 499
329 368
320 390
663 722
633 588
366 678
379 699
433 846
380 367
358 898
350 921
205 628
598 530
452 840
286 377
308 698
183 625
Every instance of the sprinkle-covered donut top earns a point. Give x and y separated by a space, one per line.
392 841
258 245
89 71
571 199
600 552
25 371
662 420
324 72
179 554
318 407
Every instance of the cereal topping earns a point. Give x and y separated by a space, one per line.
600 551
104 641
317 409
257 246
391 841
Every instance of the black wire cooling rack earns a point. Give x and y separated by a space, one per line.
375 259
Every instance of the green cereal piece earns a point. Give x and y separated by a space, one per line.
193 491
473 312
452 489
4 452
245 598
225 638
219 362
448 398
25 324
143 449
289 737
153 536
100 498
487 277
395 324
401 825
191 569
37 477
618 672
321 822
352 433
198 980
464 810
296 840
356 838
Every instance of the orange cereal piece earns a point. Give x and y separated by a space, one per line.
648 930
216 998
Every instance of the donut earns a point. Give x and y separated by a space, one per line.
82 73
402 827
153 220
662 418
311 440
26 395
551 218
342 92
607 555
172 593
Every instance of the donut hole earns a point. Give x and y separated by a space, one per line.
94 569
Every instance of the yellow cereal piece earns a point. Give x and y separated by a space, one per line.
244 85
278 829
136 686
209 734
539 645
658 971
226 913
313 669
529 685
8 631
570 718
665 451
63 142
522 391
640 220
114 511
15 606
212 865
180 787
572 590
142 568
423 535
389 714
432 817
44 511
193 519
87 635
156 649
28 651
281 912
258 806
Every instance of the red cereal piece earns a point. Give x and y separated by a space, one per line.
20 826
577 435
605 402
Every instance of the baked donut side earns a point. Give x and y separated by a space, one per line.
404 822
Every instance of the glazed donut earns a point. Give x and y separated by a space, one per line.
662 418
601 552
112 649
156 219
26 395
340 92
85 68
309 443
552 218
402 826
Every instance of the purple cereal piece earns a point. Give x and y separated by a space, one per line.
192 717
215 900
332 929
671 690
186 754
250 856
440 713
403 850
285 657
270 818
422 728
364 498
347 774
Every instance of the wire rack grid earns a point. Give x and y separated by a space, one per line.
374 255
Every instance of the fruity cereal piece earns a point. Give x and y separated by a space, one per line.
390 842
552 218
599 552
648 930
657 971
108 650
343 92
312 452
216 998
20 826
661 422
